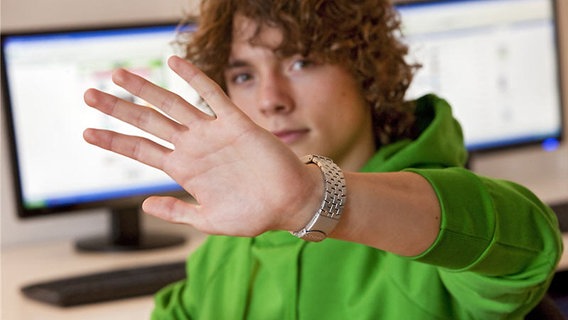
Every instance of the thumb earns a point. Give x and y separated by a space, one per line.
170 209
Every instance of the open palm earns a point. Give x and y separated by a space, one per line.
244 180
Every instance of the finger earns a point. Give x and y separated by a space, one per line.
170 209
141 117
207 89
137 148
169 102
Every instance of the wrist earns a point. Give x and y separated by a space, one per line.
309 199
332 197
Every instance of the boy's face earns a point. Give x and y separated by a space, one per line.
312 107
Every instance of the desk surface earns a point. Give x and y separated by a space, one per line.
31 263
24 264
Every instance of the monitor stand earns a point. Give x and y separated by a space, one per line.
126 234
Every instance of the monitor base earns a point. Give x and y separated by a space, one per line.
146 242
127 234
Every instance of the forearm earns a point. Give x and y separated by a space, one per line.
396 212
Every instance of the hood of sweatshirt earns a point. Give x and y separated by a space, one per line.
440 143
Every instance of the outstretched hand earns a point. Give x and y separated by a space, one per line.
244 180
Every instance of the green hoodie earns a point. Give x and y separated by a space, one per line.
494 257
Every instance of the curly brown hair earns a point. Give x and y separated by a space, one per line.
362 35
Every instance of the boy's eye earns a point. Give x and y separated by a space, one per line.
240 78
300 64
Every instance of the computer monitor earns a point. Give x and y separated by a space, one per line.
497 64
44 76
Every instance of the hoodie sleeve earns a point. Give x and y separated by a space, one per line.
501 236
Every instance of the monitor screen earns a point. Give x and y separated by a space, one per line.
495 61
44 76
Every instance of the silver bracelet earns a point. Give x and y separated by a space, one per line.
335 193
